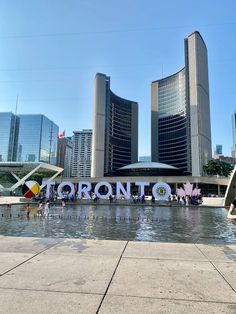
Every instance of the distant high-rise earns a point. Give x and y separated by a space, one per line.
233 149
8 136
218 150
180 118
82 155
144 158
37 139
64 155
115 130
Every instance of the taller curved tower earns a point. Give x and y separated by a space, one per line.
115 130
180 112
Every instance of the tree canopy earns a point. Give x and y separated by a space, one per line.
217 167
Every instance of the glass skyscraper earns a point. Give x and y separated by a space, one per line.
8 136
27 138
233 149
37 140
218 149
180 117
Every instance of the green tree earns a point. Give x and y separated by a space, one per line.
217 167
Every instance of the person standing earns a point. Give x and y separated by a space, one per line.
63 204
231 209
40 209
46 209
28 210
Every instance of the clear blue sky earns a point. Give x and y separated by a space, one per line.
51 50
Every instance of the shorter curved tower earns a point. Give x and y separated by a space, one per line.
115 129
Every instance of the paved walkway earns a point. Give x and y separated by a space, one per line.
89 276
10 200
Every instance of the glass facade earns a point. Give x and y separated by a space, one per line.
29 138
8 135
234 128
233 149
218 150
172 121
180 112
37 139
48 147
144 158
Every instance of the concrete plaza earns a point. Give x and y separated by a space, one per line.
207 201
39 275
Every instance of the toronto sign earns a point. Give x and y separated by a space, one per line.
104 189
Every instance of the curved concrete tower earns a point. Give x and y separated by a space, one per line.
115 130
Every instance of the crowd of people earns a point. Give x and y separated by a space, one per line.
135 198
138 198
53 197
186 200
42 209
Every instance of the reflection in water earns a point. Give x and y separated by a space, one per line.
141 223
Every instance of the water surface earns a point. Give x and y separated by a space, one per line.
141 223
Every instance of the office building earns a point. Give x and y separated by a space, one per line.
229 160
144 158
115 130
8 136
218 151
64 155
27 138
37 139
233 149
82 153
180 116
234 128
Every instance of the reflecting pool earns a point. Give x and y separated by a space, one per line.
141 223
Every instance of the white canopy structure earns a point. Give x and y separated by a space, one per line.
231 189
30 167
